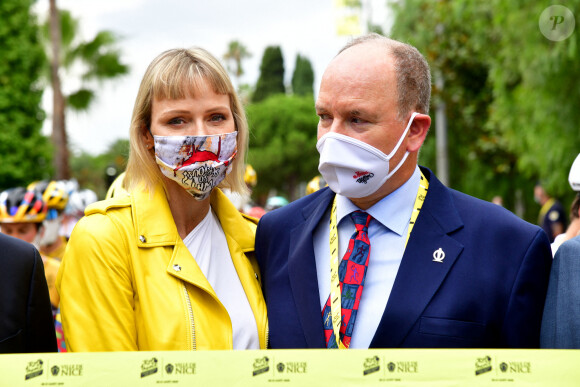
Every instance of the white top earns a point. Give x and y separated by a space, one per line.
557 242
216 264
387 235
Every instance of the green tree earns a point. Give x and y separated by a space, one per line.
271 80
536 98
92 171
283 143
99 60
24 151
512 116
234 57
303 77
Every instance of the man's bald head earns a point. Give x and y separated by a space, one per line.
411 71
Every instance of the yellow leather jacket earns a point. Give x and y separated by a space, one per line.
128 282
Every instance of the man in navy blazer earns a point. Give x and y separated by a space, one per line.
471 274
26 325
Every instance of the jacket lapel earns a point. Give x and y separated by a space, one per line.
302 270
420 274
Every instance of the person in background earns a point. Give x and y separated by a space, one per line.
574 227
561 321
26 325
439 268
170 266
316 183
275 202
27 279
78 200
497 200
552 217
54 195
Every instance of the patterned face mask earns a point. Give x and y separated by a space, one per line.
197 163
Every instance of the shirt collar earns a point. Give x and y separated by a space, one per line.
393 211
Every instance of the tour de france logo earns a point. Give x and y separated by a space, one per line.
34 369
149 367
482 365
371 365
261 365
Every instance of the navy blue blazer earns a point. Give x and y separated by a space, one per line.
26 324
487 293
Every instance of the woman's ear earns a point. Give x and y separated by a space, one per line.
148 138
418 132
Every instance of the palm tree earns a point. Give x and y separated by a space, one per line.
236 53
99 59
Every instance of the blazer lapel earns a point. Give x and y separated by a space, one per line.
429 256
302 270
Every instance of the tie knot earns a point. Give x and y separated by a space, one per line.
361 219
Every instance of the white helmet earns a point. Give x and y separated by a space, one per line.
574 176
79 200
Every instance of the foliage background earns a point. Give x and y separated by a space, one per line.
25 154
511 95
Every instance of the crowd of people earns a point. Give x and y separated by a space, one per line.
169 262
43 214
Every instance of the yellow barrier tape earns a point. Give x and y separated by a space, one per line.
399 367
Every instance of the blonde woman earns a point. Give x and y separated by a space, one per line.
170 265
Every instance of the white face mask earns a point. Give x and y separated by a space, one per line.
353 168
197 163
50 229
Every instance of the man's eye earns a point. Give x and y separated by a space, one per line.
323 116
357 120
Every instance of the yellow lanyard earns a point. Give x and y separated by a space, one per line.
335 296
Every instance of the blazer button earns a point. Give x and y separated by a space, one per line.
142 238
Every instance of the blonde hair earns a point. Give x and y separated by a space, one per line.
175 74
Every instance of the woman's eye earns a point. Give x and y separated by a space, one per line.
217 117
176 121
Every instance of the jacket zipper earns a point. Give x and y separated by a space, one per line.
267 334
190 309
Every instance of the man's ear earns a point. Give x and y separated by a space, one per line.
418 132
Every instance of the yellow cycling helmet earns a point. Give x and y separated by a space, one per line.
315 184
250 176
19 205
54 193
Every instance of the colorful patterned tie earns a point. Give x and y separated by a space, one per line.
351 273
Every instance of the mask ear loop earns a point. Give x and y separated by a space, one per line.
403 135
390 155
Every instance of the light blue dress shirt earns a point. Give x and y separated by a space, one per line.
387 235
